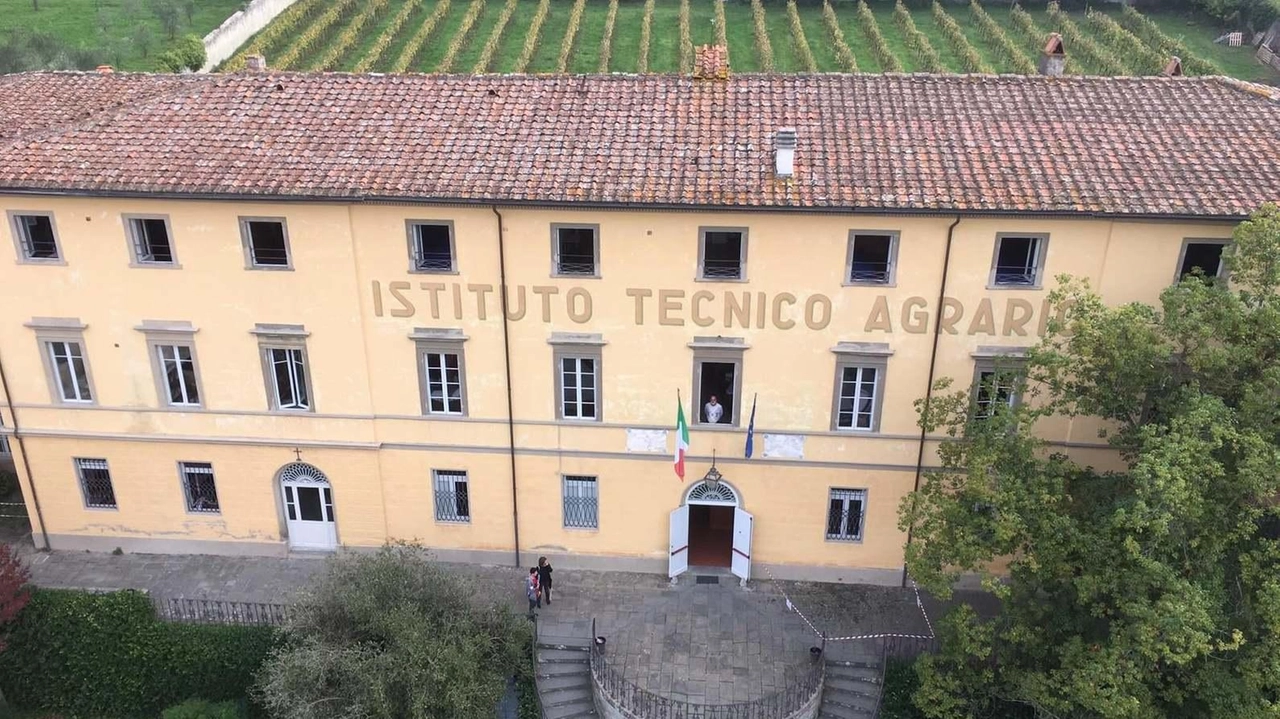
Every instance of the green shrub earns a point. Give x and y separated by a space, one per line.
201 709
66 642
900 682
185 53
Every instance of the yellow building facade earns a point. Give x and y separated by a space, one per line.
274 312
639 304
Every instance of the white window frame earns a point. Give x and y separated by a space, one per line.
81 465
445 493
22 239
1186 244
891 272
718 350
186 386
556 269
290 339
578 403
1037 271
846 496
702 255
136 232
584 491
1008 367
430 342
416 250
186 470
71 352
246 239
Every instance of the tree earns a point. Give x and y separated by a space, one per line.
186 53
14 593
142 38
1147 586
169 14
393 635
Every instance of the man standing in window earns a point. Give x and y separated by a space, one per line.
713 411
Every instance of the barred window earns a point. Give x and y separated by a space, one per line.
95 483
266 242
178 368
1019 260
432 246
857 403
70 372
578 385
289 378
581 502
453 501
576 250
199 488
871 257
444 382
722 254
845 512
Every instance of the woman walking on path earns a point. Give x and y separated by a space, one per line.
533 591
544 579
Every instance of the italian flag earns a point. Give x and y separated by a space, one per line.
682 439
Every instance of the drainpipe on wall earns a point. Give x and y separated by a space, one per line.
22 450
506 353
933 363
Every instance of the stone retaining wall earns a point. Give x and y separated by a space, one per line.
223 42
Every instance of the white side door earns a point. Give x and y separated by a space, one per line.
742 526
309 509
679 562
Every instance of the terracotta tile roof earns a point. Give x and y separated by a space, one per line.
1157 145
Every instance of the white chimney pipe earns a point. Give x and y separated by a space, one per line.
785 148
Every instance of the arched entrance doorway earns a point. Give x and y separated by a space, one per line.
710 529
308 507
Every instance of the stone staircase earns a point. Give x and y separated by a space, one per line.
564 671
851 690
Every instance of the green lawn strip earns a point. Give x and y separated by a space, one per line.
785 58
742 38
557 22
375 28
438 44
76 22
855 38
586 47
929 27
401 39
474 44
702 26
1198 35
968 23
313 59
893 37
512 42
664 47
626 36
1032 44
824 53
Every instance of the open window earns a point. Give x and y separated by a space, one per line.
431 247
997 385
722 253
872 256
717 380
1019 260
575 250
1201 258
266 242
35 237
150 241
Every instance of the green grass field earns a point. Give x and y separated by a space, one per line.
109 25
664 51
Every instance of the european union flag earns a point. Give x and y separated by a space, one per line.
751 429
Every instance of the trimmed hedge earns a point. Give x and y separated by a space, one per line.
107 655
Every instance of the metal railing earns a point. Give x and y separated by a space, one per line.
635 701
218 611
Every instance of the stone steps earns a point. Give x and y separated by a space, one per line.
563 673
851 690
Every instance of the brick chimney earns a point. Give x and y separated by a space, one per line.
1174 68
255 63
1053 58
105 70
711 62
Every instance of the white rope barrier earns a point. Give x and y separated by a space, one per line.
793 607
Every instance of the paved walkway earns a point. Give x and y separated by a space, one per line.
712 643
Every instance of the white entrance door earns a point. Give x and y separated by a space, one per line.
309 509
742 525
679 562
